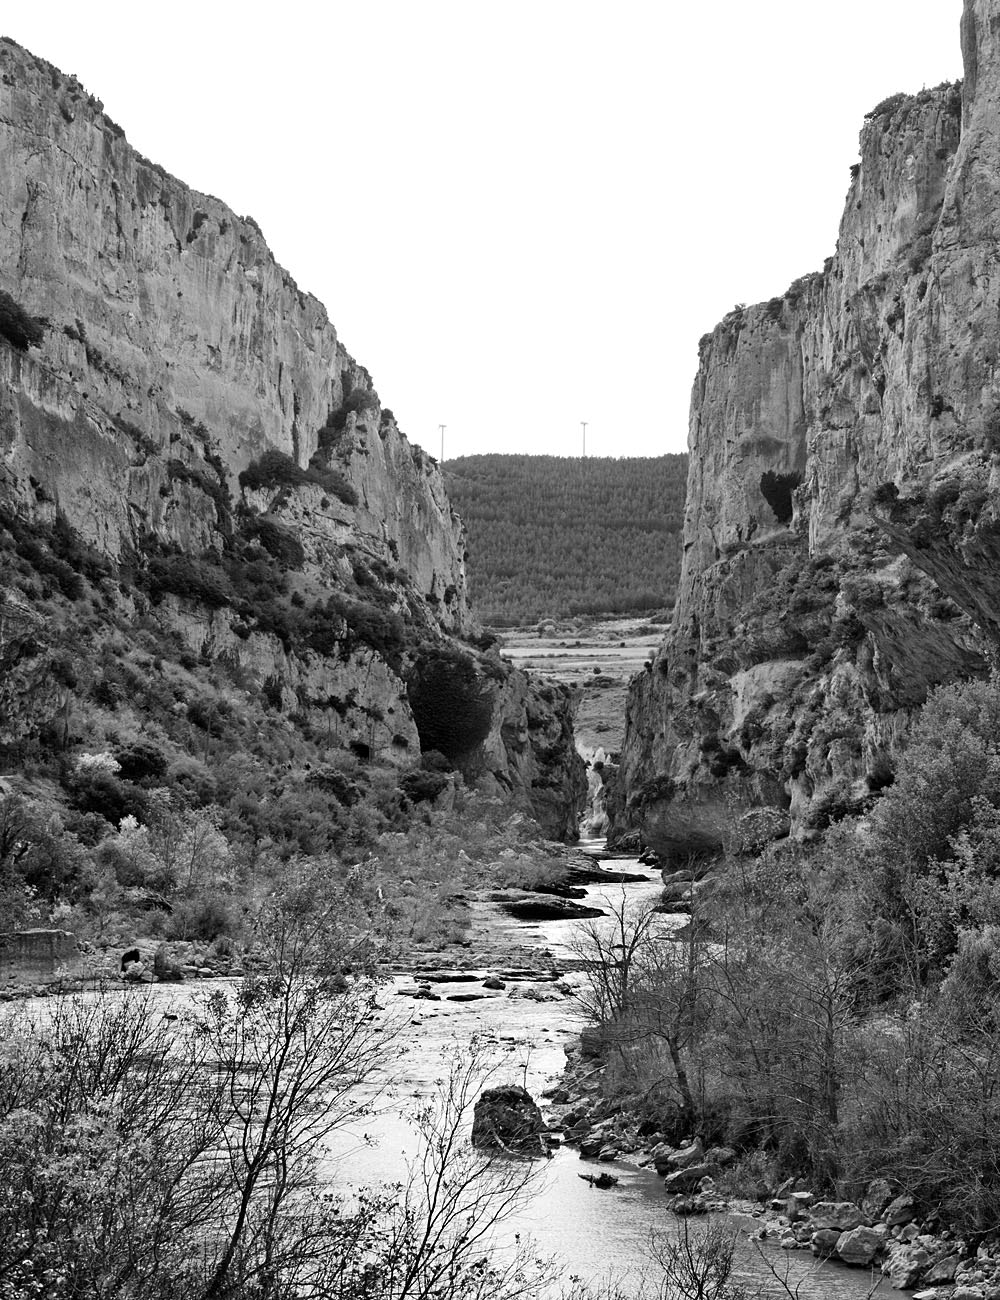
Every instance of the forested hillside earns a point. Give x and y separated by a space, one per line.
552 535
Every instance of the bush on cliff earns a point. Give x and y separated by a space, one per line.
274 469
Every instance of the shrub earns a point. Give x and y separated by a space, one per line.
342 624
204 918
887 106
421 786
334 782
21 330
141 760
96 791
191 578
274 469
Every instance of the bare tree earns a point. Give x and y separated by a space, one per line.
641 986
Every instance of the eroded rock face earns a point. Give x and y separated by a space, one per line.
178 354
163 303
843 494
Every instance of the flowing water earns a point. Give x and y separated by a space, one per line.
596 1235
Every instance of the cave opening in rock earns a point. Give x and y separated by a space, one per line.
777 489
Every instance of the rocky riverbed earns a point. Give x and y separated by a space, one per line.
510 987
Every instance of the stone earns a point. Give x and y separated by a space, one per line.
876 1198
508 1118
607 1154
685 1206
721 1156
899 1211
660 1158
859 1246
841 1215
823 1242
904 1265
493 982
691 1154
943 1271
688 1179
541 907
166 967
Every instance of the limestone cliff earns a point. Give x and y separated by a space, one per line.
185 410
842 514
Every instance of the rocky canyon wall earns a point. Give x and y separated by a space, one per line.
182 407
841 532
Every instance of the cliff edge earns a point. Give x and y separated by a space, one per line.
181 426
841 528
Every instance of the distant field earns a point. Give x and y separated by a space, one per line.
615 648
552 537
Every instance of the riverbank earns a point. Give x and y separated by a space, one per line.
886 1233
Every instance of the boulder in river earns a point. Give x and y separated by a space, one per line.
842 1215
542 907
860 1245
689 1179
508 1119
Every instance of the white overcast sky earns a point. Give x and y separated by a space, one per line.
519 215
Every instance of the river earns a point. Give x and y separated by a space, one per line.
595 1235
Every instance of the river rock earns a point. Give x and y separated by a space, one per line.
593 1042
607 1154
904 1265
539 907
166 967
721 1156
877 1198
687 1205
508 1118
660 1158
691 1154
901 1210
943 1271
859 1246
823 1242
493 982
591 1146
842 1215
688 1179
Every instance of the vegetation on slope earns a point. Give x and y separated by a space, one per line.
154 792
552 536
834 1010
